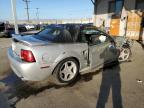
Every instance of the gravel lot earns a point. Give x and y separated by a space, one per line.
119 86
4 64
5 43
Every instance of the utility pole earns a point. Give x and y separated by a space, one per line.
95 3
37 15
13 5
27 9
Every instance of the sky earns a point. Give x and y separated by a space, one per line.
48 9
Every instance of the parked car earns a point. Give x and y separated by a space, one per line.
30 27
6 30
9 31
61 53
22 28
2 28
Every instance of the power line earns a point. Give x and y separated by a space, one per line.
27 8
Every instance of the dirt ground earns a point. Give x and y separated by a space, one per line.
119 86
4 63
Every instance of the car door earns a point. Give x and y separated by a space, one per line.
101 50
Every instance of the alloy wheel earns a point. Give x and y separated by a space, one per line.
124 54
68 71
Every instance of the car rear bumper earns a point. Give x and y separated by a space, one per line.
28 71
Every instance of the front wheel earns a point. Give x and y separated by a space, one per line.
67 71
125 54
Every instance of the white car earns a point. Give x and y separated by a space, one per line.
29 27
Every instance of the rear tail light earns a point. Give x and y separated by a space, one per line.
27 55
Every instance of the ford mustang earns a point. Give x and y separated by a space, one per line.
62 52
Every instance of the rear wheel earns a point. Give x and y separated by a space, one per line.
66 72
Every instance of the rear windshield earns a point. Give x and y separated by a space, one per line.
54 34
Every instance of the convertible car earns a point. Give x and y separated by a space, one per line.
62 52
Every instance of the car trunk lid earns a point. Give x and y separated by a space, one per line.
29 40
25 42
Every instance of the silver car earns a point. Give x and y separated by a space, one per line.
61 52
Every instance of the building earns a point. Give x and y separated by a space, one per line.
121 17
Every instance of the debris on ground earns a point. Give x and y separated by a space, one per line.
139 81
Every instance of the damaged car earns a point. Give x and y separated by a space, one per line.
62 52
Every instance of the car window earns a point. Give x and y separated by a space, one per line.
50 31
98 39
86 33
89 31
49 34
54 34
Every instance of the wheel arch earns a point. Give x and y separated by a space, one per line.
75 58
126 45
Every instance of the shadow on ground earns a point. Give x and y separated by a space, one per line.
110 80
16 89
142 44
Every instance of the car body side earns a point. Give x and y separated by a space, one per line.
47 58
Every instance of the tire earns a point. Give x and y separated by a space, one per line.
125 54
66 72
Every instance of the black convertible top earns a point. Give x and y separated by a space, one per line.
55 34
67 33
